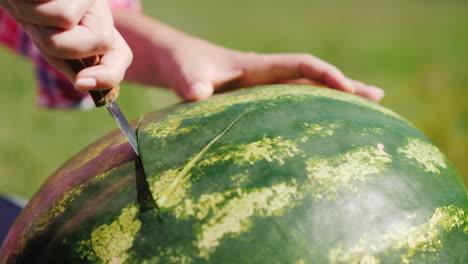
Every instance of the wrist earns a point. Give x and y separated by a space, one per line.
153 43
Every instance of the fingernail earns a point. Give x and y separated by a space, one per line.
85 83
201 90
379 92
376 93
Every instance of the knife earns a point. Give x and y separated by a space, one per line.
107 98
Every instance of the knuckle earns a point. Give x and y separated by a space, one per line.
129 57
331 69
66 18
104 43
334 69
305 57
60 48
116 75
251 56
358 83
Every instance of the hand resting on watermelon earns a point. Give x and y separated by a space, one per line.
195 68
163 56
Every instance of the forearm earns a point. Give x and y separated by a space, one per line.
155 46
151 41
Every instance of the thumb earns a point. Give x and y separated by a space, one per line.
198 90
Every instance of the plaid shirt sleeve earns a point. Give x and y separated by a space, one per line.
54 89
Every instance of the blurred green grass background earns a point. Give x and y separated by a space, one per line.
416 51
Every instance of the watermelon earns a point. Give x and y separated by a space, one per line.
274 174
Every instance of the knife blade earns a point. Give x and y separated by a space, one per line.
107 98
122 122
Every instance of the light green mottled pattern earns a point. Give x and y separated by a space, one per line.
205 204
301 261
230 212
65 200
110 242
166 256
58 208
270 149
329 175
367 259
42 221
240 178
427 237
173 256
364 251
171 124
234 217
368 131
169 188
321 129
429 157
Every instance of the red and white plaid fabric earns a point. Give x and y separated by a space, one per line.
54 89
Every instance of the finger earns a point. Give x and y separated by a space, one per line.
273 68
62 14
198 83
93 36
199 90
268 68
325 73
303 81
368 91
194 86
110 71
66 44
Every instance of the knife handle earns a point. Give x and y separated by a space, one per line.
100 97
